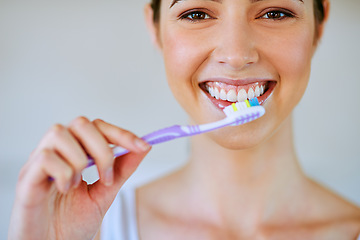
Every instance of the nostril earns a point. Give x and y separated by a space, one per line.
238 61
236 55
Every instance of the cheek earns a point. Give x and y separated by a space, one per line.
292 59
177 53
182 58
297 58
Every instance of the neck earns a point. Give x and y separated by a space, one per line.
249 180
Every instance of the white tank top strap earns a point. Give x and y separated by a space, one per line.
120 221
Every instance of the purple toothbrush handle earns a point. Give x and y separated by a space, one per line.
176 131
165 134
173 132
160 136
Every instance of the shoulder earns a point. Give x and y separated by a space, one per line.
334 213
317 213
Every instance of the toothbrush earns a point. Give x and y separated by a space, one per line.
236 114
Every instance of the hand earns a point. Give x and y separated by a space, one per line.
66 207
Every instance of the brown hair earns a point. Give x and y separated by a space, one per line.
318 11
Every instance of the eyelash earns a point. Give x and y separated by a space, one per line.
190 15
283 15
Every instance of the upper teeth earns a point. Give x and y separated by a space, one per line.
235 93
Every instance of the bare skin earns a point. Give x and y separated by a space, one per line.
259 203
66 207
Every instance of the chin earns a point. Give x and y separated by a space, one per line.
240 137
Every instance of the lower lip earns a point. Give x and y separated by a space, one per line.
262 99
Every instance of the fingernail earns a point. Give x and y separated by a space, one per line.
141 144
109 177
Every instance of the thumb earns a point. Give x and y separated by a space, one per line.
124 167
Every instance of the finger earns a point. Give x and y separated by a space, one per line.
124 167
96 145
34 181
121 137
65 144
58 145
56 168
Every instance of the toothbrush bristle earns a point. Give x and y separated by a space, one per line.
254 102
239 106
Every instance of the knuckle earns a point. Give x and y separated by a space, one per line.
98 121
57 130
44 155
79 122
118 133
124 134
80 165
105 160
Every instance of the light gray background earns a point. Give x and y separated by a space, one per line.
62 59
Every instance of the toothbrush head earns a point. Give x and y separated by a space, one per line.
240 106
244 112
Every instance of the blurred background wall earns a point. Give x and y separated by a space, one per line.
62 59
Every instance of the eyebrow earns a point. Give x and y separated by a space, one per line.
176 1
255 1
251 1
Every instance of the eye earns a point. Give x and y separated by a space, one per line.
195 16
277 15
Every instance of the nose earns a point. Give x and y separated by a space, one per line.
235 46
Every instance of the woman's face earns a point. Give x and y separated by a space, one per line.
220 51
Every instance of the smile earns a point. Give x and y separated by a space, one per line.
232 93
224 93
